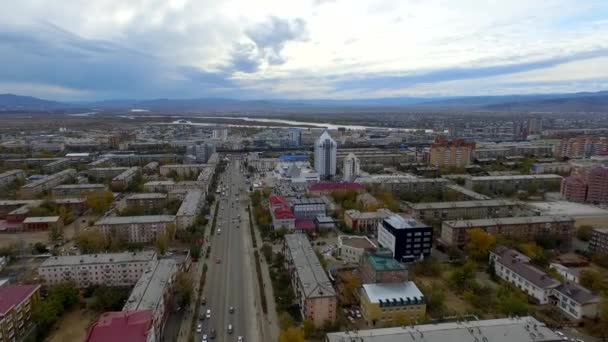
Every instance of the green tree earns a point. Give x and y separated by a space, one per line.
91 241
463 278
584 232
183 288
267 252
434 297
100 202
593 280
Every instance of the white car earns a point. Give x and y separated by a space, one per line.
208 313
240 339
199 328
204 338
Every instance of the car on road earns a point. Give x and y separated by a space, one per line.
208 313
239 339
204 301
230 329
219 231
199 328
204 338
231 309
212 334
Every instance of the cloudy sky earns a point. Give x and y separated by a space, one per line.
342 49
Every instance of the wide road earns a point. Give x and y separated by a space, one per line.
230 277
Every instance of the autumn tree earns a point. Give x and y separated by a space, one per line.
162 243
584 233
291 335
479 244
100 202
91 241
183 288
285 320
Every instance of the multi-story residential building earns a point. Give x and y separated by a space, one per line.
77 190
105 173
365 222
515 268
132 326
351 167
560 168
599 241
515 182
325 156
404 184
597 182
16 306
147 201
9 177
135 229
574 301
523 228
113 269
379 266
151 168
454 153
581 147
392 303
123 180
295 136
308 208
159 186
516 329
56 165
464 210
32 189
182 170
189 209
407 238
352 247
313 289
328 188
220 133
153 291
574 189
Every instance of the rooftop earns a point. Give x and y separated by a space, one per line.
519 329
146 195
382 262
385 293
515 177
136 219
12 295
149 289
311 275
282 213
190 204
520 265
567 208
335 187
43 219
507 221
463 204
90 259
577 293
122 326
80 186
400 222
356 241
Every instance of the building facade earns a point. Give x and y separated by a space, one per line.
406 238
454 153
16 306
379 266
135 229
351 167
325 156
77 190
392 303
365 222
464 209
308 208
599 241
352 247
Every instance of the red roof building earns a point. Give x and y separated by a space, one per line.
123 326
305 225
277 201
16 303
331 187
283 213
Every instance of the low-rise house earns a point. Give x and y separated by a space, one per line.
392 303
43 223
575 301
379 266
365 222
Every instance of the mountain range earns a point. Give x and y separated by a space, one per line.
570 102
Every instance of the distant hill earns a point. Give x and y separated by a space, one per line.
574 102
12 101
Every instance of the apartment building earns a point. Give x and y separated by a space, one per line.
522 228
135 229
573 300
574 189
105 173
153 291
56 165
16 305
147 201
159 186
560 168
392 303
512 329
404 184
42 223
182 170
597 182
189 209
454 153
464 209
124 179
8 177
351 167
313 290
581 147
599 241
515 182
308 208
379 266
32 189
328 188
77 190
365 222
407 238
352 247
112 269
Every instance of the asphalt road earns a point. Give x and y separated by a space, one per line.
230 277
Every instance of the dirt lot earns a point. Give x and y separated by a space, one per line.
8 239
73 326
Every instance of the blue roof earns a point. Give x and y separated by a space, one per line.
293 158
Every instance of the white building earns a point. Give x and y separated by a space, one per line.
135 229
220 133
351 167
114 269
325 156
295 136
352 247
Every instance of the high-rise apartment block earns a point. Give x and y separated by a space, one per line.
325 156
591 186
581 147
351 167
454 153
